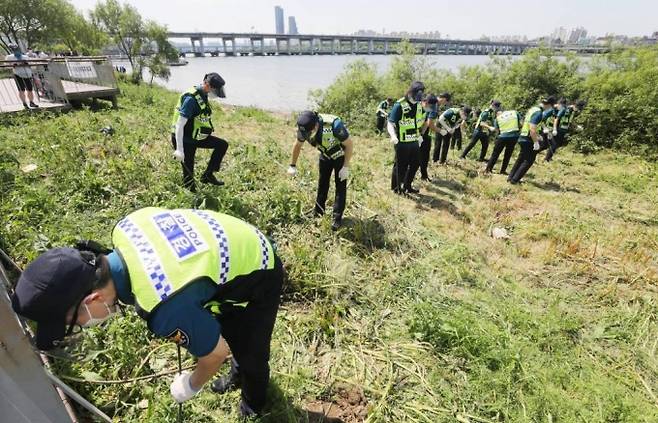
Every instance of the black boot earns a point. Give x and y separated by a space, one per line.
228 382
209 178
337 222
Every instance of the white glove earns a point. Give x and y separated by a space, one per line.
579 128
292 170
554 132
179 155
394 140
344 173
443 132
451 130
545 130
536 146
181 389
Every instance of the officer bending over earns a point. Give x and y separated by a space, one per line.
508 125
191 128
329 135
200 278
484 128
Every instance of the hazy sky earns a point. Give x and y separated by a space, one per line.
458 19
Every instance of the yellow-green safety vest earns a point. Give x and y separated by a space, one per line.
508 121
525 130
410 124
164 250
201 125
330 147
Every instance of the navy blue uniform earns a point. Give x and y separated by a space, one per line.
528 154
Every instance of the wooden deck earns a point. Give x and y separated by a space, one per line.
81 90
10 102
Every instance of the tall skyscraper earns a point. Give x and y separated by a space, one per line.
292 26
278 19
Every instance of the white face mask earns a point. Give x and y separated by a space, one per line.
95 321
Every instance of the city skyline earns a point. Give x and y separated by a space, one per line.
632 18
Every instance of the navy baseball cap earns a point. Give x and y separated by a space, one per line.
431 99
549 100
305 124
217 83
50 286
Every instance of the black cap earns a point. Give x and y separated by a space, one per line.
446 96
581 104
305 124
549 100
495 103
216 82
431 99
49 287
467 110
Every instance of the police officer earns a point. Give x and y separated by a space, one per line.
562 125
404 124
191 128
452 120
205 280
508 126
429 103
443 137
382 114
530 138
329 135
484 127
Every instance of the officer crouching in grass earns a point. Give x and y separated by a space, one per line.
205 280
329 135
562 125
191 128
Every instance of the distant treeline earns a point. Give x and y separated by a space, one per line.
620 87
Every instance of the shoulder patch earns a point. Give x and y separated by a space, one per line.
179 337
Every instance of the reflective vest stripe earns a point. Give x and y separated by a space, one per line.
264 250
148 258
222 243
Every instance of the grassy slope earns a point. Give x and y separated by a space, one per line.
410 313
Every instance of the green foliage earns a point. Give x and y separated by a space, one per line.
143 42
621 88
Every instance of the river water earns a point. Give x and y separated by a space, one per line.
282 83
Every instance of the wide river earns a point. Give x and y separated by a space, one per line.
282 83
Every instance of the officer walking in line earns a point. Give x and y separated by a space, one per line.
205 280
382 114
508 125
404 125
530 139
562 124
329 135
429 127
191 128
443 137
451 120
484 128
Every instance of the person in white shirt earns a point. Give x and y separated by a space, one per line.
23 76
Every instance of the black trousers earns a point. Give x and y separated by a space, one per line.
381 122
501 144
456 139
558 141
524 162
441 146
248 330
425 148
327 166
217 144
481 137
407 155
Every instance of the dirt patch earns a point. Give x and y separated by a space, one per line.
349 405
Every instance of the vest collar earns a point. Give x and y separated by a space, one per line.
119 277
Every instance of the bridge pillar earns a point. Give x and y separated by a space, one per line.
202 47
371 46
354 46
385 47
251 45
276 45
224 45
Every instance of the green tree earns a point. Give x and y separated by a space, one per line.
139 40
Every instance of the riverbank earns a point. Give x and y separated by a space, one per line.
411 312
